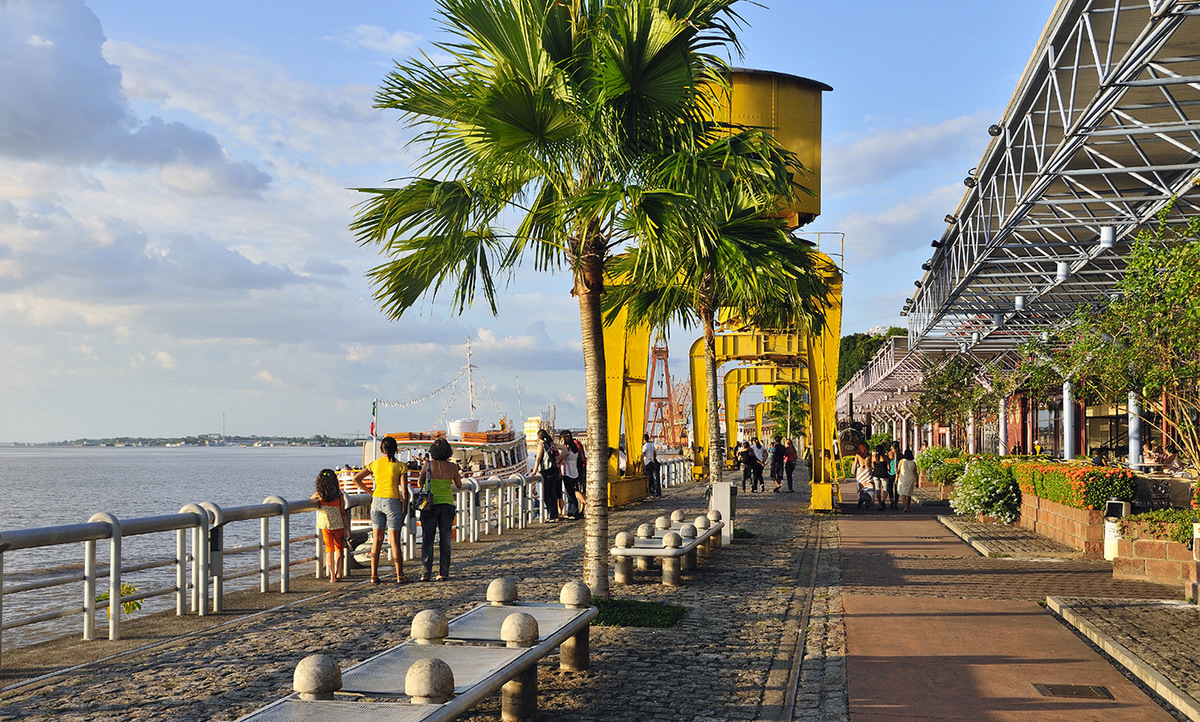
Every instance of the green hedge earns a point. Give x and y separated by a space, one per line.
1079 487
948 472
932 457
1171 524
846 467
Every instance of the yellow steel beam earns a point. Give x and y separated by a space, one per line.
626 356
739 379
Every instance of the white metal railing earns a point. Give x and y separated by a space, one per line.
485 506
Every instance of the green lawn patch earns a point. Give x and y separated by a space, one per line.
743 534
635 613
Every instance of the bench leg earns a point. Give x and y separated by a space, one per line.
704 552
518 697
689 561
623 570
642 564
575 653
671 576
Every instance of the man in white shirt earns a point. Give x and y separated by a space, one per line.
760 453
650 464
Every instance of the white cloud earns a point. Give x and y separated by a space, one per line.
374 37
63 102
905 226
164 359
886 154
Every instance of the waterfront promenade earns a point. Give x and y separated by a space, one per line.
906 621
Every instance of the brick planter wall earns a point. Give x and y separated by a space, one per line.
1157 560
1080 529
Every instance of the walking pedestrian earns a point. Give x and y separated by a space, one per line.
650 465
906 478
894 456
333 522
573 462
789 462
868 490
746 458
756 480
438 475
778 457
879 469
389 502
546 464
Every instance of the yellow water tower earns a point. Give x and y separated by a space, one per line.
789 106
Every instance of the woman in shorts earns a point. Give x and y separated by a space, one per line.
389 499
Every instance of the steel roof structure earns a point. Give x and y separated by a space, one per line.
1102 134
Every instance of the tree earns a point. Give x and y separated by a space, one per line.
1146 337
858 349
789 411
728 254
550 113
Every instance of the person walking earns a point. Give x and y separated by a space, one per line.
906 478
789 462
867 487
389 505
650 465
894 456
439 475
756 480
746 458
879 469
333 522
573 462
546 464
778 458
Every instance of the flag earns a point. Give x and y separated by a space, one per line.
372 427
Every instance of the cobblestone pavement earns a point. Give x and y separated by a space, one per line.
1161 633
729 657
1005 540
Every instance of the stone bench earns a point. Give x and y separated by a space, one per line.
449 666
677 543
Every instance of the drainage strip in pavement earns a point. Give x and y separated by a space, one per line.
1160 630
1006 540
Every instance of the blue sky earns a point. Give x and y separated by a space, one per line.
173 205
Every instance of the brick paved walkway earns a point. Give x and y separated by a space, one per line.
728 658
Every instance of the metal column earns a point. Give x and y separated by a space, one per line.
1068 421
1003 426
1135 429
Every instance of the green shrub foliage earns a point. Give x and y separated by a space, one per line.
987 486
932 456
1076 486
1169 524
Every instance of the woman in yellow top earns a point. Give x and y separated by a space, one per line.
440 473
388 505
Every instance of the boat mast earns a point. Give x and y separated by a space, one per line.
470 380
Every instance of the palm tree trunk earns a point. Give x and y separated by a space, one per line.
716 450
589 285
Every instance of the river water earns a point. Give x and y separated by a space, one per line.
49 486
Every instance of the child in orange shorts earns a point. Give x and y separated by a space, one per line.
332 521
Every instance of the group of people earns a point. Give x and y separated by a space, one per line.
886 477
390 506
563 467
753 458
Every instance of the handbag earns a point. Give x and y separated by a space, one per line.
422 498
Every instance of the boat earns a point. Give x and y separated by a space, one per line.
479 454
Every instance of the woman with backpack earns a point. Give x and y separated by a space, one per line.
573 463
547 465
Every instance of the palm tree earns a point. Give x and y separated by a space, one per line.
734 257
546 112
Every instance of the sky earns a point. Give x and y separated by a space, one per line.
175 194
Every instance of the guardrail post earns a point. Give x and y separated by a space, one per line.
114 572
474 512
199 559
180 572
285 537
216 555
541 488
2 548
89 590
264 555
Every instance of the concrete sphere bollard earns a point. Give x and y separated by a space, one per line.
678 515
575 651
714 515
688 532
575 595
622 565
429 681
645 531
671 565
662 522
317 676
502 591
702 523
519 630
430 626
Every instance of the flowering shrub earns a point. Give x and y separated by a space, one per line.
988 487
1196 496
932 457
948 471
1079 487
846 467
